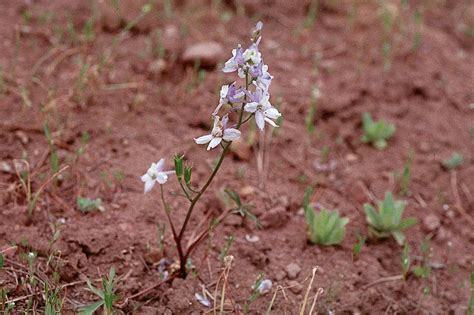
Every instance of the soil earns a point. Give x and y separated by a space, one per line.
137 108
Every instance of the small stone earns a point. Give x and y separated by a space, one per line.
247 191
424 147
5 167
22 136
207 53
295 287
431 222
292 271
157 66
442 235
280 275
252 238
351 157
241 149
274 218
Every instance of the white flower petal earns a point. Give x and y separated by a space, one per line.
214 143
272 113
203 139
216 111
251 107
149 185
162 177
160 164
271 122
231 134
224 90
145 178
260 119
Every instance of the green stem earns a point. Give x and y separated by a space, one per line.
194 200
173 230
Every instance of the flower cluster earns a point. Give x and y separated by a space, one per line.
252 99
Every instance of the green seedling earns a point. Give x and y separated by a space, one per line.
225 249
53 302
53 155
5 306
376 132
406 261
358 245
255 293
106 295
405 179
312 14
387 221
2 261
325 227
455 161
418 17
88 205
242 209
423 271
88 31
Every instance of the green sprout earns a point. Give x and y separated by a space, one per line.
358 246
325 227
455 161
376 132
107 296
88 205
388 219
406 261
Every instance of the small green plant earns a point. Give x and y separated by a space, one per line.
406 261
53 155
88 205
388 219
358 246
256 292
53 302
312 14
106 294
376 132
225 249
455 161
325 227
423 270
405 178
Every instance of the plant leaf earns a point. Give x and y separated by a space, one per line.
91 308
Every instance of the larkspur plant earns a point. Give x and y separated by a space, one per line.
237 106
376 132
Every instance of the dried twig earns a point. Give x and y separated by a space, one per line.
457 198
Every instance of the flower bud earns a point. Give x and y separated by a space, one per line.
187 174
178 165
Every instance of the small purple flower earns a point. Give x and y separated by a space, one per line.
236 61
219 133
229 94
263 110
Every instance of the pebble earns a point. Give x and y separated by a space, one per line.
22 136
247 191
208 53
292 270
280 275
351 157
442 235
274 218
431 222
295 286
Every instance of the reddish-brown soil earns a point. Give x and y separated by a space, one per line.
137 110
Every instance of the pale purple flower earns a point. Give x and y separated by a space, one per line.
265 286
229 94
252 54
263 110
219 132
261 75
155 174
235 62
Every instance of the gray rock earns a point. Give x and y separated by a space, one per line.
207 53
295 287
292 270
431 222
